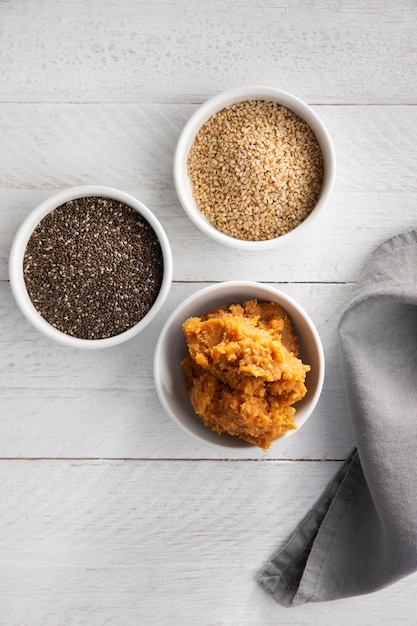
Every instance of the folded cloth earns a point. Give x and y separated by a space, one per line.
362 533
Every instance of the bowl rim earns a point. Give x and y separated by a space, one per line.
217 103
225 287
23 234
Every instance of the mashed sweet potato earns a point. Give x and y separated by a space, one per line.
242 370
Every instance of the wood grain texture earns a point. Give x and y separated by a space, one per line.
182 51
160 543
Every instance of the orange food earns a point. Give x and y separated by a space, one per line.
242 370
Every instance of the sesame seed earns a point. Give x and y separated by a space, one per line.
258 161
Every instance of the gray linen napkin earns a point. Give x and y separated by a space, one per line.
362 533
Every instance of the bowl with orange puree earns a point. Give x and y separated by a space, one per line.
239 364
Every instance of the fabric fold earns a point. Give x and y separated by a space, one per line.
362 533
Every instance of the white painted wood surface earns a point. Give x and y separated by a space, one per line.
108 513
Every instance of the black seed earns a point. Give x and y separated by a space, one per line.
93 267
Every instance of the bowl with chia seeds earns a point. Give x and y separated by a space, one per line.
90 267
253 167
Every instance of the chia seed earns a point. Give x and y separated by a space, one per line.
93 267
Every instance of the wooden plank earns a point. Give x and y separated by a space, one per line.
58 402
46 147
160 543
154 51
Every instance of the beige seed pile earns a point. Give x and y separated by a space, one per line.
256 170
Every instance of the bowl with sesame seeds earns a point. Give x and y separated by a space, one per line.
90 267
253 167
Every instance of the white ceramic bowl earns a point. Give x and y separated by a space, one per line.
217 103
171 349
17 281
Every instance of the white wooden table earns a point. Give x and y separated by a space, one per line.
109 514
